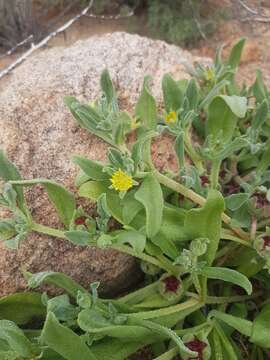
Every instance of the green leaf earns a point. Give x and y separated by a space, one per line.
150 195
236 52
235 201
141 146
264 162
21 308
146 109
179 147
87 117
222 116
7 229
93 169
172 94
261 328
82 238
94 189
217 348
134 238
121 127
8 171
64 341
261 115
192 94
107 87
227 346
54 278
241 325
92 321
113 349
229 275
259 88
215 91
208 223
164 331
15 338
81 178
130 207
62 199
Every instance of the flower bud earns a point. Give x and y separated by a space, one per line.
262 246
170 287
198 344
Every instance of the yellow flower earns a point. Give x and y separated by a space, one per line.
121 181
209 74
171 117
134 124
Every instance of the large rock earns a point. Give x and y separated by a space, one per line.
40 136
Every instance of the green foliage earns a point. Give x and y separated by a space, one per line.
181 22
201 233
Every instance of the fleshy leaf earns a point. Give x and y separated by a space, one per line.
236 52
146 109
14 336
60 280
21 308
8 172
229 275
62 199
150 195
172 94
93 169
208 223
261 328
223 113
64 341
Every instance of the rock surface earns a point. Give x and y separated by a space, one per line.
40 136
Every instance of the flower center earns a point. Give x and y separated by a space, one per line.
171 117
204 180
261 200
171 284
266 241
121 181
198 346
232 188
80 220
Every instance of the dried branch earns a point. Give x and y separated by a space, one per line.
42 43
197 22
263 19
63 28
245 6
12 50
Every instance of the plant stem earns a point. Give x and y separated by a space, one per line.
48 230
128 250
231 299
190 303
193 330
122 248
226 299
215 173
138 295
196 198
181 189
169 354
227 236
192 153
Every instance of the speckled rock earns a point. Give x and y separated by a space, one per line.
40 136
